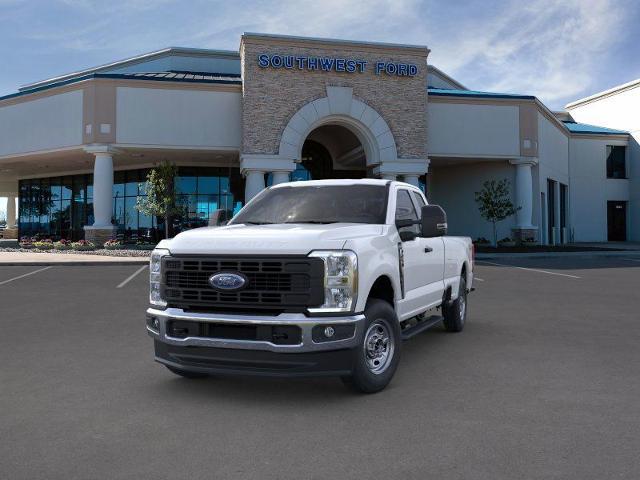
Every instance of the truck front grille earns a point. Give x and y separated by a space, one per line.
286 283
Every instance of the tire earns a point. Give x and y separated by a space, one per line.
377 356
455 314
186 373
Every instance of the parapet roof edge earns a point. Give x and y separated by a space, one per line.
337 41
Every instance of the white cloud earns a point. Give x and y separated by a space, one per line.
545 48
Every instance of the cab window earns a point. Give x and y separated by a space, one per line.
405 210
419 202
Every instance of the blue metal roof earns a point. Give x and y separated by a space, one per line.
444 92
575 127
188 77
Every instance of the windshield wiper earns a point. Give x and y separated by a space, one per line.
258 223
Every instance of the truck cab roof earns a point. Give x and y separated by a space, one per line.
341 182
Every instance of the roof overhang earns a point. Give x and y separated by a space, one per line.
145 57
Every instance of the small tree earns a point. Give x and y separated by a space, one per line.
494 203
161 200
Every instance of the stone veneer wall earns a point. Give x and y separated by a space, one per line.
272 96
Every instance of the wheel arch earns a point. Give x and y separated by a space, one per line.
382 288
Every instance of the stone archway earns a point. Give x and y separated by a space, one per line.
339 107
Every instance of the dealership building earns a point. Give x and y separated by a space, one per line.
75 149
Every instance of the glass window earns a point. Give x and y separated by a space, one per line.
90 186
186 185
119 214
419 201
405 210
55 187
209 184
79 188
131 185
131 214
616 165
67 189
118 184
317 204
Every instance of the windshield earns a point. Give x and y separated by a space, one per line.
317 204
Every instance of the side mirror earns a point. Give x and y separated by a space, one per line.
434 221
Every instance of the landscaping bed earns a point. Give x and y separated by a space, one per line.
127 252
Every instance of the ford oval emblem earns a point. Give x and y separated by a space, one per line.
227 281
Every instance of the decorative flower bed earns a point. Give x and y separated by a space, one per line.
62 245
113 244
112 248
83 245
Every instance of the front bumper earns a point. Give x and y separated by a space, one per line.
309 355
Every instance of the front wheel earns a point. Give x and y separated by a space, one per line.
378 354
455 314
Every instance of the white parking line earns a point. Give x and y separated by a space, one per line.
25 275
479 279
132 276
529 269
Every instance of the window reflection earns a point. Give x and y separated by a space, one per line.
59 207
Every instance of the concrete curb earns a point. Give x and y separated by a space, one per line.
617 253
77 263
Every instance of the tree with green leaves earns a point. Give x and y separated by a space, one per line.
494 203
160 199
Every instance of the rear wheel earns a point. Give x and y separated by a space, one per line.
455 314
378 354
186 373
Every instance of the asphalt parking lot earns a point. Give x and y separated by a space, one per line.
543 383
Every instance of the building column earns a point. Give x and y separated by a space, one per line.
254 165
409 170
11 232
280 176
11 212
524 230
102 228
412 180
254 183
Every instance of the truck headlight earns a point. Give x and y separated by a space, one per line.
155 277
340 280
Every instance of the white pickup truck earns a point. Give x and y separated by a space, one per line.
322 277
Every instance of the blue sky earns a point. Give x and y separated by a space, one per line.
557 50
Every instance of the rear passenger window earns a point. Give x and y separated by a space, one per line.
405 210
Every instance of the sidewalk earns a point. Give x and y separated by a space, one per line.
35 259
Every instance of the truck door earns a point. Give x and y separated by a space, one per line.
417 263
433 261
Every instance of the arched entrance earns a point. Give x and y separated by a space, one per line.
333 151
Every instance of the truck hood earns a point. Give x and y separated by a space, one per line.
269 239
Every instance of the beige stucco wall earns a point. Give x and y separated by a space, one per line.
272 96
50 122
460 129
178 117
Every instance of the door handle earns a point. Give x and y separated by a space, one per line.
428 249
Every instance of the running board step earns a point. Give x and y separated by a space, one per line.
421 327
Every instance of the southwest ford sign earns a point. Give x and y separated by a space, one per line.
334 64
